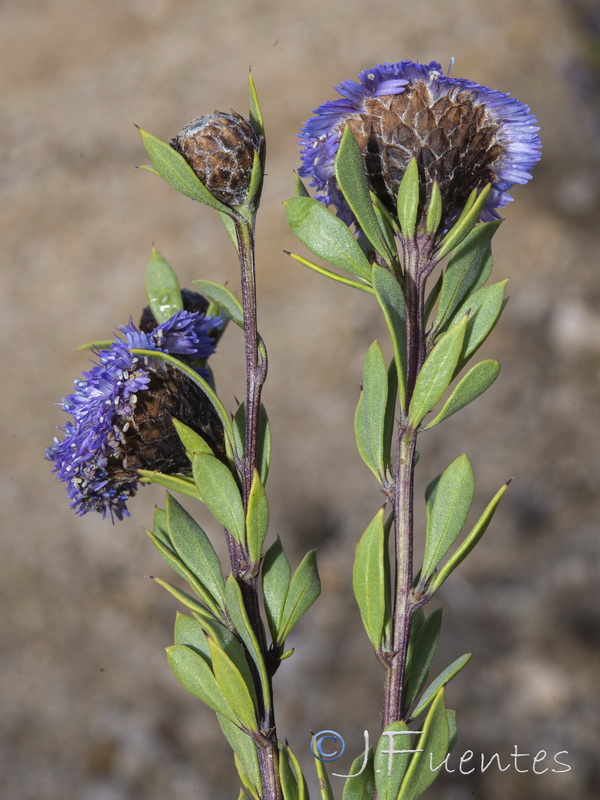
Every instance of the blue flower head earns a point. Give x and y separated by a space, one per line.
122 410
463 136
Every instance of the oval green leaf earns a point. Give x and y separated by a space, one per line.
369 582
370 417
162 288
304 589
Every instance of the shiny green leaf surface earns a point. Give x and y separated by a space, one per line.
162 288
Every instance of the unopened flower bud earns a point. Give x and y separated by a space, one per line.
220 148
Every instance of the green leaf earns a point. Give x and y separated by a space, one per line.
256 117
387 225
301 190
442 679
174 169
233 687
297 770
369 582
391 299
408 199
195 675
247 761
192 441
326 235
370 418
289 785
352 180
325 790
390 761
175 483
239 617
188 631
276 574
464 224
257 518
195 549
329 274
435 210
425 648
304 589
479 378
168 553
484 308
160 527
220 493
433 744
223 298
464 268
191 373
470 541
184 598
447 512
436 373
162 288
453 729
264 438
100 344
390 413
361 786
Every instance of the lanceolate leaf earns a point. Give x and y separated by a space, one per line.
433 744
471 540
436 373
364 287
264 438
475 382
352 180
162 288
188 631
192 441
326 235
239 617
257 518
464 269
195 675
174 169
195 549
245 750
408 199
362 786
484 308
325 790
175 483
390 761
297 770
370 419
233 687
369 579
305 587
464 224
224 299
442 679
220 493
422 656
447 512
256 117
276 574
289 785
391 299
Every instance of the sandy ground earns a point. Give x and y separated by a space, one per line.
89 708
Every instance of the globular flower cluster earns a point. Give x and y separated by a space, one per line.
122 411
463 136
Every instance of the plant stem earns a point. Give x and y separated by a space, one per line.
245 574
414 289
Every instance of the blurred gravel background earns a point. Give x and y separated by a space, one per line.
89 709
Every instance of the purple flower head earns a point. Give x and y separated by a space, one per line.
463 136
122 409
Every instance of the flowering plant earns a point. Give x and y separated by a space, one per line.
416 165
